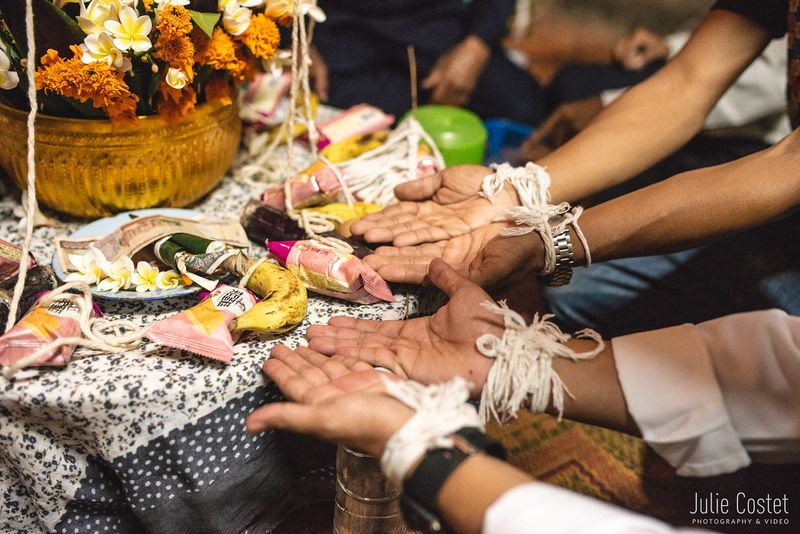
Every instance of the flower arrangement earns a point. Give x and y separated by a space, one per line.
118 59
94 269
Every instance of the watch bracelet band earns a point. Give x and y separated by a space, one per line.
565 260
421 489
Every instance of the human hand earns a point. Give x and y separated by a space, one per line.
427 349
561 126
409 265
507 261
640 49
318 72
456 73
342 402
436 208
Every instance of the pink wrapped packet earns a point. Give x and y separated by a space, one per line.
316 185
42 325
332 273
204 329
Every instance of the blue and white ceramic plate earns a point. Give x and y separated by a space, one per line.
105 226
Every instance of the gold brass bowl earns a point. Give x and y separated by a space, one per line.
91 168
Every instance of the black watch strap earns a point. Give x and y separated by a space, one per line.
422 488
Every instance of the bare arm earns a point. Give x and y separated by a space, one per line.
660 115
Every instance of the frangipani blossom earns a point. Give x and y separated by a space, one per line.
117 274
275 66
283 9
145 278
176 78
100 47
93 17
131 32
168 280
8 78
89 266
251 3
236 19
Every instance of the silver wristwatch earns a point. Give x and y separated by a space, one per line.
565 259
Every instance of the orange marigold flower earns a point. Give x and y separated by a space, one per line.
175 104
261 37
247 66
174 21
218 88
98 82
219 52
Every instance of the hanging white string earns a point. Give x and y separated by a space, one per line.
99 333
441 409
522 374
31 207
535 214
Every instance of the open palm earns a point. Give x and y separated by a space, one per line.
436 208
428 349
409 264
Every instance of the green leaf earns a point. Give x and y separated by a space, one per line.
53 28
205 21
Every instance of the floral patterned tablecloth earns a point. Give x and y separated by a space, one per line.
154 439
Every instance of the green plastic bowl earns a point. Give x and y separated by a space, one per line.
459 133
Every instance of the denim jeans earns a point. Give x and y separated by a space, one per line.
758 269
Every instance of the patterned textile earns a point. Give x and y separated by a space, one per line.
153 440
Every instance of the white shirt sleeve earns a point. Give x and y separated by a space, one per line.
710 396
538 507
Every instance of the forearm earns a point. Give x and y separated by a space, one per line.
473 488
659 115
697 206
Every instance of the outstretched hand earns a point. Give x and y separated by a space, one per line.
343 402
428 349
436 208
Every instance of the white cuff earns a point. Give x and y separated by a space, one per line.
673 394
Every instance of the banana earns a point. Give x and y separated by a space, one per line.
354 146
284 301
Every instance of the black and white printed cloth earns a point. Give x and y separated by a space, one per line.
153 440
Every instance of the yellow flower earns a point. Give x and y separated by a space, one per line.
131 31
100 47
88 266
262 37
176 79
145 278
175 104
98 82
235 19
280 10
219 52
8 78
173 45
93 17
168 280
117 274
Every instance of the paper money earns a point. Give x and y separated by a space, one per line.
140 232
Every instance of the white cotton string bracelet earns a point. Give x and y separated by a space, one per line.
522 374
441 409
535 214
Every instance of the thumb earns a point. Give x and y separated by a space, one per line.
446 278
300 418
420 189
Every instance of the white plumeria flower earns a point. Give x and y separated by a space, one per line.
131 32
168 280
8 78
274 67
145 278
89 266
94 16
117 274
235 19
251 3
311 9
222 5
176 78
99 47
